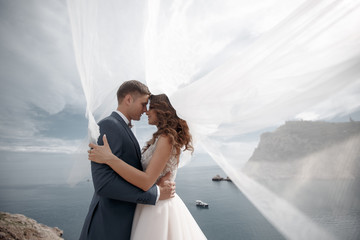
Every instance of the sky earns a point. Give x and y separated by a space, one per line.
42 102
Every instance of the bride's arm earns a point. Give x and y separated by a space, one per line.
141 179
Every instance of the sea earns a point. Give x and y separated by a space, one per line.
35 184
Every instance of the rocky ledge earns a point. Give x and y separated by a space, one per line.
17 226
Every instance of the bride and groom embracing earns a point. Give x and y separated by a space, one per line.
134 194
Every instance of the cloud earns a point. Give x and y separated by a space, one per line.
44 144
37 72
342 105
41 94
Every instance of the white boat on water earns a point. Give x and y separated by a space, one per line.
202 204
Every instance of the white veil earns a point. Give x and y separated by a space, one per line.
230 68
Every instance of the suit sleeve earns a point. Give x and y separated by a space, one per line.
108 183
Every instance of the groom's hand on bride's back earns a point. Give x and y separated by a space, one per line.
167 187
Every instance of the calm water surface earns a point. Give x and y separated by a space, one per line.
35 185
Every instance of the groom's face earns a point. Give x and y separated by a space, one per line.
138 106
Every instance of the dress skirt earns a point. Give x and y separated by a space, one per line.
167 220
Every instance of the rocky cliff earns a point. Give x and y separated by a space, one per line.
17 226
308 149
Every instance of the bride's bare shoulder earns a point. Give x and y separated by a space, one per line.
164 141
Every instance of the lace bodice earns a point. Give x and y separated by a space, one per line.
171 165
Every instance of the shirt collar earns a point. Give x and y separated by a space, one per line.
123 117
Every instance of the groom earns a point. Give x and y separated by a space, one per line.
112 208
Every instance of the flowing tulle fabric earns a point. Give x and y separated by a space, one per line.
230 68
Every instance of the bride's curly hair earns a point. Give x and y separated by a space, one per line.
169 124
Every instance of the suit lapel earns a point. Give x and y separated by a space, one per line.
129 132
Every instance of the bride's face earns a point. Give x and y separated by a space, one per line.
152 117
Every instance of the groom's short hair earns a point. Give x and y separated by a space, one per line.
132 87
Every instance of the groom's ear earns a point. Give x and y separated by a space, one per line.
128 99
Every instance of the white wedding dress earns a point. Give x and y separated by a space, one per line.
168 219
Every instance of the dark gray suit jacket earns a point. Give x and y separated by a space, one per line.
112 208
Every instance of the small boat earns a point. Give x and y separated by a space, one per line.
227 179
217 178
202 204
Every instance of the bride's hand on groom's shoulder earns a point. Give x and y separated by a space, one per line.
100 154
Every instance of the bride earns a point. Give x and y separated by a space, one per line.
168 219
